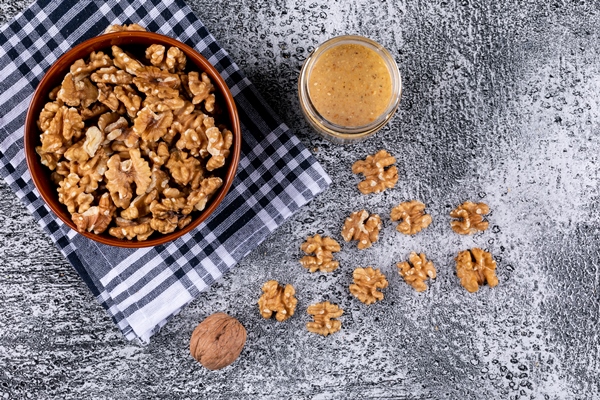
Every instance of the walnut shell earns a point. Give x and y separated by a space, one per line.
217 341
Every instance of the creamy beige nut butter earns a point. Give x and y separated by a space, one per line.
350 85
349 88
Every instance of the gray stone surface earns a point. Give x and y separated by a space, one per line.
500 104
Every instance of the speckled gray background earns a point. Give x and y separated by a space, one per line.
500 104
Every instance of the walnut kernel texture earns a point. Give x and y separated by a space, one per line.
377 177
362 227
469 218
475 267
323 249
412 217
367 282
277 300
416 271
127 127
324 315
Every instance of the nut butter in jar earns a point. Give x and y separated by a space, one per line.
349 88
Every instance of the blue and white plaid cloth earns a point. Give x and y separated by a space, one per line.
142 289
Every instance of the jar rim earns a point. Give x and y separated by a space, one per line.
348 133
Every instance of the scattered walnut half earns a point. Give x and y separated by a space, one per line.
470 218
362 227
416 270
474 267
366 282
217 341
218 146
277 300
323 315
323 249
412 217
377 178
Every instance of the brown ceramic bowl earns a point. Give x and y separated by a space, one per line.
131 41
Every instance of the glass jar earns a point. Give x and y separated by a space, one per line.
349 88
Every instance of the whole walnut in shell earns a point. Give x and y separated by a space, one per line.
217 341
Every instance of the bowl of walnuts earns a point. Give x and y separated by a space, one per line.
132 138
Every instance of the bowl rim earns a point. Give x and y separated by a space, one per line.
105 41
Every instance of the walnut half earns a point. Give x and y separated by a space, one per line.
323 249
130 230
470 218
277 300
363 228
121 174
366 282
474 267
377 177
96 218
324 315
416 270
412 217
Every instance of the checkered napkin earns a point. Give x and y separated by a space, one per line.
142 289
